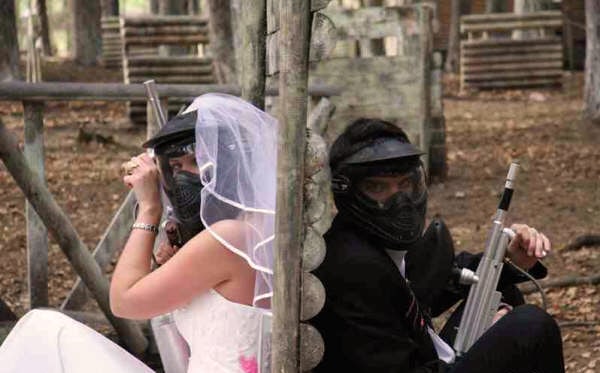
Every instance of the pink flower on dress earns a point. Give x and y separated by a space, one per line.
249 365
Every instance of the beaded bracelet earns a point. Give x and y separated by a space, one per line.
147 227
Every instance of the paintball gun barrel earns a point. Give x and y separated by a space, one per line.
173 349
154 101
483 300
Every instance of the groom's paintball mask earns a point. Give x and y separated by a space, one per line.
182 188
376 148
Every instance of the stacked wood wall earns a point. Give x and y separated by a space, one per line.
157 31
491 57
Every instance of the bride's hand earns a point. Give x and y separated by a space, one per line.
142 177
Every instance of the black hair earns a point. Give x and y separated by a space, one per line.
360 134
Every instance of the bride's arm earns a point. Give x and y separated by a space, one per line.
201 264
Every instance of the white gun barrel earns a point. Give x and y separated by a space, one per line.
483 299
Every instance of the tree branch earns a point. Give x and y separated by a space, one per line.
528 288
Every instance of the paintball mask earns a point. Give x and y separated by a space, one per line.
397 221
174 150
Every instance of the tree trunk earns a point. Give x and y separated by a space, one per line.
236 22
372 47
453 55
591 109
527 6
86 33
42 12
253 51
221 40
194 7
110 8
495 6
154 6
172 7
9 46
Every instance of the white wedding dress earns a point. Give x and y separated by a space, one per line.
223 337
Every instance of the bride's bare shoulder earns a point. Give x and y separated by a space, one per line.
223 233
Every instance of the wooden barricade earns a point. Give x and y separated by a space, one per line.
112 46
507 50
112 53
154 32
395 86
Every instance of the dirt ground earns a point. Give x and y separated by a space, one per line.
558 190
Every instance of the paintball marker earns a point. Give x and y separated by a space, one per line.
173 350
169 225
483 300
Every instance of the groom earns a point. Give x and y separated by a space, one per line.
380 270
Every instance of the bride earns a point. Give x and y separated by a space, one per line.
219 283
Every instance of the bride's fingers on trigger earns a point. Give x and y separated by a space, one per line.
539 245
547 245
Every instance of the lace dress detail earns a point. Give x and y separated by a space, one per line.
223 335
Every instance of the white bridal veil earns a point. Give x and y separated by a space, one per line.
236 152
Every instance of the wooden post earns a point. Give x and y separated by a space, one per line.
293 88
253 53
221 40
37 234
114 239
63 231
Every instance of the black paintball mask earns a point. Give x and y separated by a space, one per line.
396 220
173 146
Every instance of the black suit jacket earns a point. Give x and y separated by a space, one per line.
363 323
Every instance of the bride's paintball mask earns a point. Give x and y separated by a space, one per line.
174 152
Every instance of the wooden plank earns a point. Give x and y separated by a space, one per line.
510 58
522 66
505 75
168 61
373 22
37 234
476 43
67 238
166 70
514 83
166 29
155 20
170 79
112 240
510 26
59 91
508 17
504 50
168 39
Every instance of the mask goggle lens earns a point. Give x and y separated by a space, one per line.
173 159
386 188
